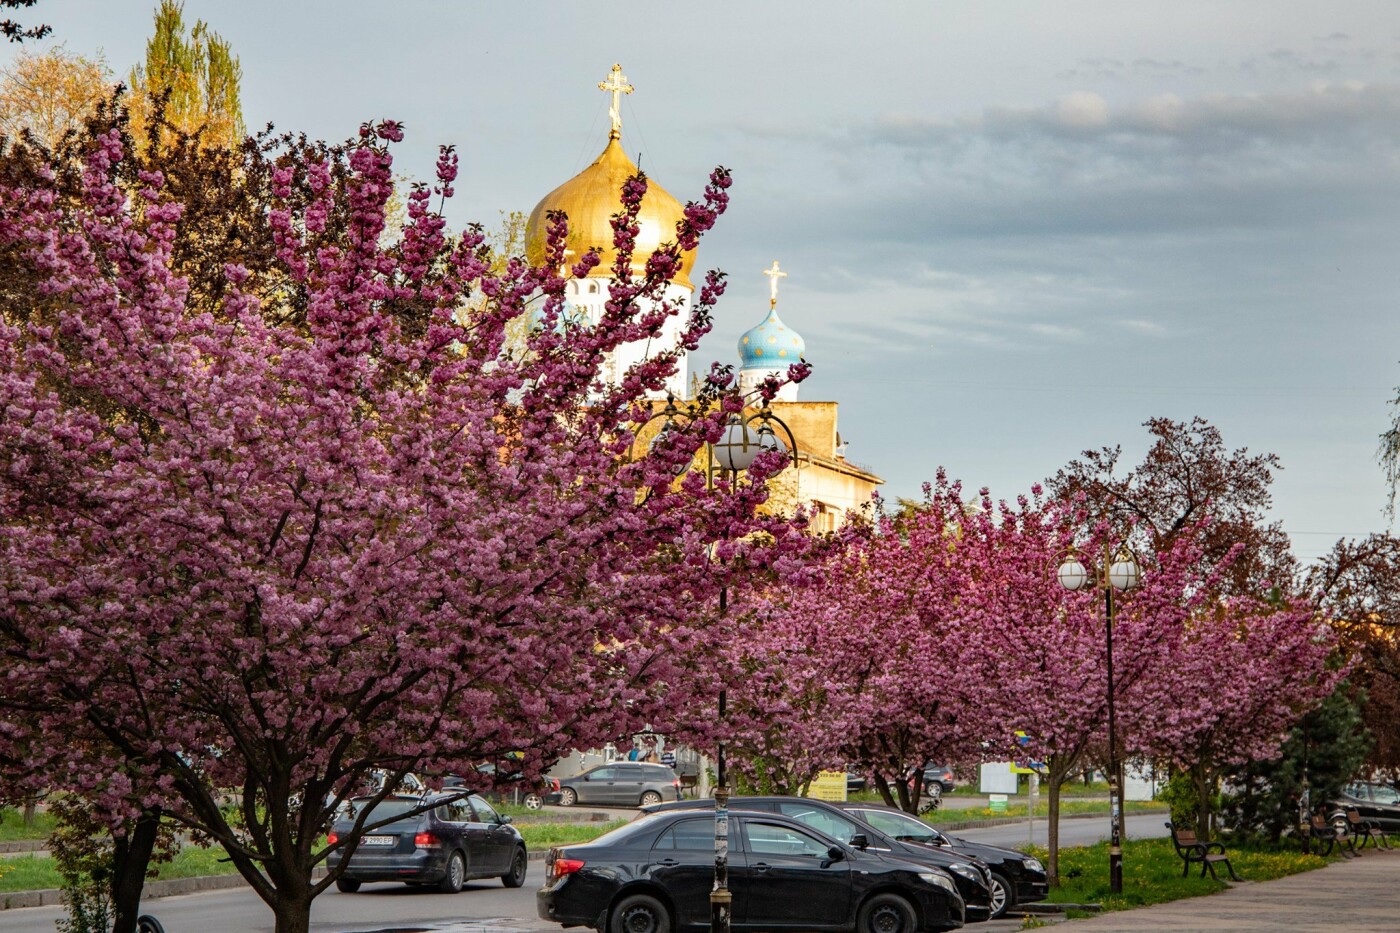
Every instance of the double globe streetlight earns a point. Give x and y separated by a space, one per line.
743 440
1121 572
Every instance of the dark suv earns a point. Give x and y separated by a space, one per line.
620 784
459 836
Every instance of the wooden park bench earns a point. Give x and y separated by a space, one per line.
1365 830
1206 854
1322 833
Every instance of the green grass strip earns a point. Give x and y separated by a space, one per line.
1152 873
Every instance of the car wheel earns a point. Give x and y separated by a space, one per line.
533 801
568 797
640 913
886 913
650 797
456 874
516 876
347 885
1001 896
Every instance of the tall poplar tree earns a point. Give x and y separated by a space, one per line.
192 73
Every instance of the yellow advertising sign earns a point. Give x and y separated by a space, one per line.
828 785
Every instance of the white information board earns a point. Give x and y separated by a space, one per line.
996 778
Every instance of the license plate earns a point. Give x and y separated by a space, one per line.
377 841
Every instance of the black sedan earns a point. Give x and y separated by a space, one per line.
1016 878
655 874
439 839
972 877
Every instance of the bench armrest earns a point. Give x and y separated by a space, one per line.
1217 846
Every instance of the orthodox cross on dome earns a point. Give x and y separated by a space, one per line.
773 275
617 85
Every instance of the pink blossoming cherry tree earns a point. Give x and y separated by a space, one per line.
256 550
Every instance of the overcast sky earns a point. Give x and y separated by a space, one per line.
1014 230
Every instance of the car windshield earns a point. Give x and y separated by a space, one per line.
1380 793
901 826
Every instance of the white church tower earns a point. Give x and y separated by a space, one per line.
589 199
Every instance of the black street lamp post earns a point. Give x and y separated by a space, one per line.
1120 573
743 440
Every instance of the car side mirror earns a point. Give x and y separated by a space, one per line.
833 854
504 818
859 841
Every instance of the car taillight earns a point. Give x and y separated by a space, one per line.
566 866
676 783
426 841
332 839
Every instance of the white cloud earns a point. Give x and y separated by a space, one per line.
1082 110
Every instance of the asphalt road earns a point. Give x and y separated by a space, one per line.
481 907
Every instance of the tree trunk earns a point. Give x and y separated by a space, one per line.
1203 780
29 811
883 786
131 855
292 912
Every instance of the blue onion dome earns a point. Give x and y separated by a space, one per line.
770 345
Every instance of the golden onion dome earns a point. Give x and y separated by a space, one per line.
589 200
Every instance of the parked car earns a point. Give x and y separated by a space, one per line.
1016 878
971 876
509 787
620 784
456 838
942 775
1378 803
656 872
854 782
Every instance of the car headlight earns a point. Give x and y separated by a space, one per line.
967 871
939 879
1033 864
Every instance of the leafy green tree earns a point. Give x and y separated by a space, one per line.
190 79
1319 757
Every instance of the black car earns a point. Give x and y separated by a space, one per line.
970 874
655 874
619 784
459 836
1016 878
1377 803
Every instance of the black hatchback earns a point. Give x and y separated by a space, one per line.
457 837
969 873
655 874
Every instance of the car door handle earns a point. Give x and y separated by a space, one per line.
669 862
761 867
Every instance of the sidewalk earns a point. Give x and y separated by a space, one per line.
1357 895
